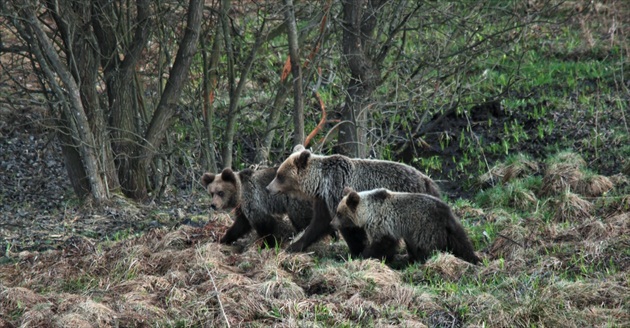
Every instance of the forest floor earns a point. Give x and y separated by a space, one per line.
551 221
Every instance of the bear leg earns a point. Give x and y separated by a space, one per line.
319 226
383 248
417 254
239 228
356 238
266 227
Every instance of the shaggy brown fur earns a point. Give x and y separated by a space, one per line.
323 178
255 207
424 222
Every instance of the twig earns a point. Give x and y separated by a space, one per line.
321 123
216 291
510 239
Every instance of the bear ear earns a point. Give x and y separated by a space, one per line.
206 179
381 194
228 175
245 174
347 190
353 200
302 160
298 148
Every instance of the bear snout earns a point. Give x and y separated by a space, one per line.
272 187
336 223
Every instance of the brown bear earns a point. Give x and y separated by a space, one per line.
424 222
323 178
254 206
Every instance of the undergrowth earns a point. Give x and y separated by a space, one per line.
544 263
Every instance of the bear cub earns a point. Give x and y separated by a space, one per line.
424 222
254 206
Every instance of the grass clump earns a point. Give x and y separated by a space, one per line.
569 206
563 173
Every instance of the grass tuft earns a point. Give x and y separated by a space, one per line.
447 267
594 186
570 207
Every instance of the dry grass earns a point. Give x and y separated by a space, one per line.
570 207
448 267
517 167
594 186
561 177
566 264
167 278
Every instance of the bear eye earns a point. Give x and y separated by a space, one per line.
220 193
280 178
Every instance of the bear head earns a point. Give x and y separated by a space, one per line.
346 215
291 174
224 189
354 202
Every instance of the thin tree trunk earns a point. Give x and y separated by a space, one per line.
235 95
72 159
262 156
230 128
165 110
296 71
210 76
74 112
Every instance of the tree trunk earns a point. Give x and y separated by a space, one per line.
296 71
122 92
359 22
229 128
72 160
72 106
